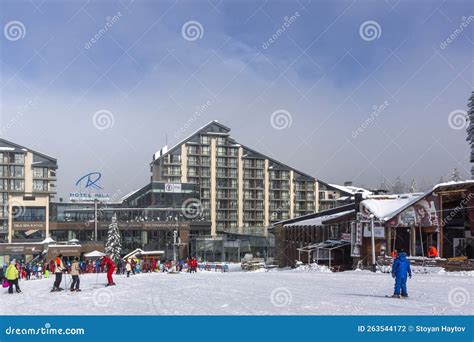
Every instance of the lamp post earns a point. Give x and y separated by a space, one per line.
373 241
95 219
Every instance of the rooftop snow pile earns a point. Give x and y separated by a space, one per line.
319 221
386 207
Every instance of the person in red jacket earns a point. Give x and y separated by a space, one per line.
432 252
106 261
194 265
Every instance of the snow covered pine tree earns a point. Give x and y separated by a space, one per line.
113 246
470 129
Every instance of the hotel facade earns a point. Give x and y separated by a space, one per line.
27 183
240 187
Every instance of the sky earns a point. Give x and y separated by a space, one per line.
343 90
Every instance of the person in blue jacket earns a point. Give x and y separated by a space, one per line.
400 271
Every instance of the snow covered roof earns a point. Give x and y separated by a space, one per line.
453 184
319 221
152 253
386 207
352 189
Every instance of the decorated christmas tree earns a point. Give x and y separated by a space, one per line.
113 246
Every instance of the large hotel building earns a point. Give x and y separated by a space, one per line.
239 191
27 183
240 187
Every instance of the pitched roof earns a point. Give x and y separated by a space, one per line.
25 149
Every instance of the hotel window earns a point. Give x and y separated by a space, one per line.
17 171
260 163
3 171
205 140
3 184
206 183
221 141
192 160
205 172
206 193
232 162
40 172
259 174
205 161
205 150
17 158
39 185
233 152
192 150
17 185
221 151
192 171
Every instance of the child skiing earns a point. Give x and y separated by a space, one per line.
106 261
400 270
75 271
58 271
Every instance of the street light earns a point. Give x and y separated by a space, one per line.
373 241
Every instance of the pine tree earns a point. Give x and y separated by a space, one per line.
113 246
398 187
470 129
413 186
455 175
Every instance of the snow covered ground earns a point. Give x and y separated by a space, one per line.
289 292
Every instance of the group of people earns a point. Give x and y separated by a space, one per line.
75 270
11 275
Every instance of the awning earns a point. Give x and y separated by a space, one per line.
94 254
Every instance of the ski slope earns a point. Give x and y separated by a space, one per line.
290 292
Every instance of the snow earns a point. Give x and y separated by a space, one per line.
279 292
352 189
319 221
385 209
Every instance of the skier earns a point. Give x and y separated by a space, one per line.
400 270
75 271
106 261
11 274
193 264
58 271
128 268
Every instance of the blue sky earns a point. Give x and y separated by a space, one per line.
320 71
